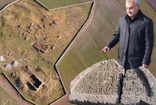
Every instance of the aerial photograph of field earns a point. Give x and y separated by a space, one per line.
45 44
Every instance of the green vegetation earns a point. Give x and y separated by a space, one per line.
86 48
51 4
2 90
4 3
25 23
85 51
16 38
5 97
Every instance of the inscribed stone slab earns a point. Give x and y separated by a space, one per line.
98 84
139 87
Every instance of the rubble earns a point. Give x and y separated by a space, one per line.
52 47
45 38
26 38
55 22
19 26
40 47
10 55
19 83
2 59
58 36
40 26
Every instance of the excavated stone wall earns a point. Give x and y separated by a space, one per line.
105 83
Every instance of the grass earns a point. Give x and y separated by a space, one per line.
5 92
5 97
14 45
3 3
85 51
51 4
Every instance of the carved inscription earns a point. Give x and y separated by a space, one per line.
132 87
103 84
102 79
134 84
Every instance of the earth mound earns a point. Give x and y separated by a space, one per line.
15 63
7 67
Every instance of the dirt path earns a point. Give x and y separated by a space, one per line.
7 87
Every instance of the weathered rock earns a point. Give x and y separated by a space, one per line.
103 84
139 87
98 84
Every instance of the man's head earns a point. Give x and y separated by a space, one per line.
132 7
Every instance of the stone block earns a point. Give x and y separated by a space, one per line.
105 83
98 84
139 87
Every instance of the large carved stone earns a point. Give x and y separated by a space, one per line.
139 87
98 84
104 83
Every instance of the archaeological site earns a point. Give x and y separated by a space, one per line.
107 83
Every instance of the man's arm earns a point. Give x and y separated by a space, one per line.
149 41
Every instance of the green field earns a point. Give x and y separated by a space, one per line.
81 54
25 23
5 97
4 3
85 51
51 4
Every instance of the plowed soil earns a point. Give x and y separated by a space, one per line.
152 3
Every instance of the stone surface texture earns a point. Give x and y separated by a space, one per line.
139 87
98 84
105 83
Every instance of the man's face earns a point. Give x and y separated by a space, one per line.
132 9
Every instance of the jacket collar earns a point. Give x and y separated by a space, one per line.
138 16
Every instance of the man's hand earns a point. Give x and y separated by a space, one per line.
143 65
106 49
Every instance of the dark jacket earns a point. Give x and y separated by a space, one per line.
136 39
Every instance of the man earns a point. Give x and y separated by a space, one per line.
136 36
